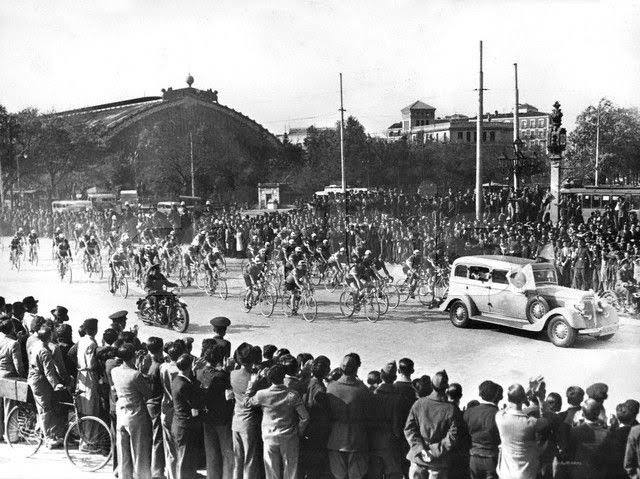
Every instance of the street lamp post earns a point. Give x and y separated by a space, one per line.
598 143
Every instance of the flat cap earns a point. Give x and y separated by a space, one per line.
90 323
220 321
118 315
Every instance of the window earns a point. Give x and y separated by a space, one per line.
444 136
479 273
460 135
541 122
523 123
484 136
469 137
460 271
492 136
475 136
499 276
586 201
597 201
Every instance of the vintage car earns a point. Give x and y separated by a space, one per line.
524 294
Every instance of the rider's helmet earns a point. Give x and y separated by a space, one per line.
214 249
93 238
343 250
33 232
367 253
266 245
262 251
291 241
258 260
298 249
325 241
313 235
20 230
58 230
416 252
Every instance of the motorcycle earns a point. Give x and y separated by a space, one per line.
164 310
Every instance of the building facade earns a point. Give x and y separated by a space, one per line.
420 124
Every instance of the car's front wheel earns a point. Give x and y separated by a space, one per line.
561 333
459 314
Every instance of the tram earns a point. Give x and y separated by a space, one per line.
599 198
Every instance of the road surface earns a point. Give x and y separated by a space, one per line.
469 356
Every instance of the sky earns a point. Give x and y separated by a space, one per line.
278 61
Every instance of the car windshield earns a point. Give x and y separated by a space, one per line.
545 276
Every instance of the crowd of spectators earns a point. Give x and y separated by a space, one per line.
250 411
588 252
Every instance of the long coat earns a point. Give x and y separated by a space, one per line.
519 455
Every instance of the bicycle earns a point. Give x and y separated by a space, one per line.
88 442
335 279
15 257
33 254
93 265
64 269
217 283
421 290
262 297
351 302
619 299
120 283
304 301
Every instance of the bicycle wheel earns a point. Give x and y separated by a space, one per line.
393 294
200 278
266 304
424 293
403 291
308 308
347 306
223 289
123 287
22 431
88 443
383 299
286 306
441 288
182 277
247 300
371 308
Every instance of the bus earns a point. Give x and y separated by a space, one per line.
129 196
598 198
102 200
60 206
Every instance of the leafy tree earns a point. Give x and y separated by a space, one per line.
619 158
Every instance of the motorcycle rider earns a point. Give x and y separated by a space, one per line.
154 284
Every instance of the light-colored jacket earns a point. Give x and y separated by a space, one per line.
519 454
132 390
283 412
11 364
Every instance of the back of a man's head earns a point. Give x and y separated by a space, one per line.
516 394
488 391
591 409
154 345
175 350
290 364
184 363
575 395
440 382
406 367
276 374
349 366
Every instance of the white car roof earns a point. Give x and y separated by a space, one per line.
493 261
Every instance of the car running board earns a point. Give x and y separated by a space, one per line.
505 321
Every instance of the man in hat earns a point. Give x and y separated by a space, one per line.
349 403
31 310
87 379
220 325
245 423
118 320
43 381
432 430
60 314
11 364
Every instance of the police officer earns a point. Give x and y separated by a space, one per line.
220 325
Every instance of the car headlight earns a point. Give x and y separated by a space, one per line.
602 307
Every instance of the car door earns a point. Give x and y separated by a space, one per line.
500 293
478 287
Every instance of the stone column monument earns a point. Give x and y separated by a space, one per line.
556 143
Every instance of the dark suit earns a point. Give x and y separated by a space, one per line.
187 395
226 345
485 440
586 442
615 444
632 454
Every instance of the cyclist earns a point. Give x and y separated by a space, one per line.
253 246
293 259
214 262
91 249
335 262
412 268
357 278
625 283
294 283
117 262
63 251
15 246
34 242
323 252
253 275
376 265
191 258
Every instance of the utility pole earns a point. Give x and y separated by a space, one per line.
598 143
479 144
193 186
344 179
516 129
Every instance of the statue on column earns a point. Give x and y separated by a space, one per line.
556 144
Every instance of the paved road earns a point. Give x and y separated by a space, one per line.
469 356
